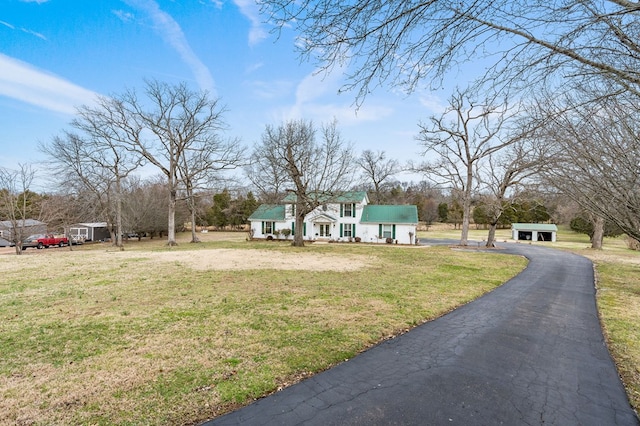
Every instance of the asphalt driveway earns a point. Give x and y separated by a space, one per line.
529 353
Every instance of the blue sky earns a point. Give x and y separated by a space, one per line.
57 54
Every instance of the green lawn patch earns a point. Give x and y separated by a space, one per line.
167 336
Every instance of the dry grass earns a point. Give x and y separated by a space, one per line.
154 335
618 275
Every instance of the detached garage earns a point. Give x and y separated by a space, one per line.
95 231
534 231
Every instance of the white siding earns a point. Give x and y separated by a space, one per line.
330 215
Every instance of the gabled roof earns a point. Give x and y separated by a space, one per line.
534 227
322 217
92 224
343 197
27 223
389 214
268 212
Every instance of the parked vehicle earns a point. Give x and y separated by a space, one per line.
41 241
5 243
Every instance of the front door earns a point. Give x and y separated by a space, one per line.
325 230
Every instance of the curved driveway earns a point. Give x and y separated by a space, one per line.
529 353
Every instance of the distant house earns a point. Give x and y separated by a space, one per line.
346 217
30 227
89 231
534 232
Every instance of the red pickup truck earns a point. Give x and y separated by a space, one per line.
44 241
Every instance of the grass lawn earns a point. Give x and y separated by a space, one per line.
154 335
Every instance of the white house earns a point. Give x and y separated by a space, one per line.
346 217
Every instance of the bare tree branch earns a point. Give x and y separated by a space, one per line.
291 158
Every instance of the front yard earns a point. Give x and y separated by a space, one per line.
154 335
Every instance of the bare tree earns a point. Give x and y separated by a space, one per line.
174 128
466 133
98 157
409 42
144 206
15 201
79 175
182 130
597 155
377 169
62 209
202 164
506 171
265 173
313 170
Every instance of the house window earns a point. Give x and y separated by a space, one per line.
348 210
387 231
347 229
269 227
324 207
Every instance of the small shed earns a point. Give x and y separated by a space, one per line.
89 231
534 231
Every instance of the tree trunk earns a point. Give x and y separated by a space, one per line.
491 237
119 230
298 238
466 208
194 235
171 229
598 233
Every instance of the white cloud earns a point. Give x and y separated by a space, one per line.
250 10
172 34
33 33
254 67
123 16
25 30
26 83
432 102
315 99
271 89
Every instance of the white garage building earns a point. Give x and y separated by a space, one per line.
534 231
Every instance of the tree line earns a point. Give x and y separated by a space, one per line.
552 113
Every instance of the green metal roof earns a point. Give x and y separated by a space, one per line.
534 227
268 212
389 214
343 197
